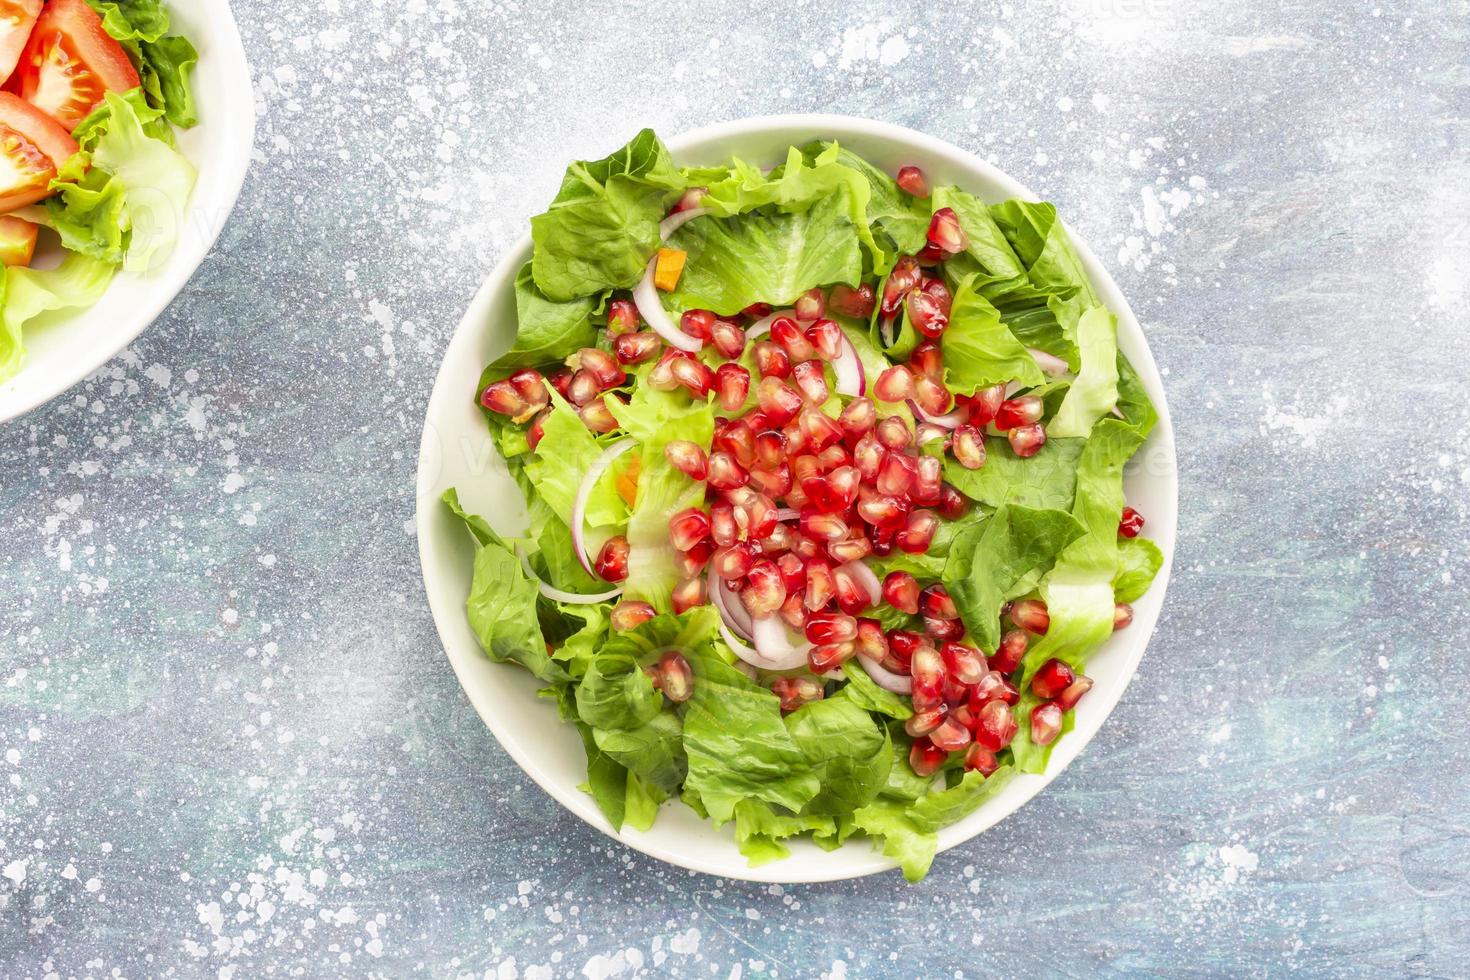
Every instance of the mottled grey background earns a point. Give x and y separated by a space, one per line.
231 745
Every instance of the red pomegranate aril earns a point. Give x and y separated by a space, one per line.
995 727
1068 699
822 527
584 388
943 630
932 396
723 529
760 516
688 527
925 758
596 416
698 324
630 614
831 627
927 361
927 480
850 549
771 361
870 641
612 559
772 483
757 311
902 644
919 534
835 492
946 233
857 303
952 736
853 597
537 429
927 670
673 676
604 367
1027 440
867 456
993 686
901 591
692 562
952 505
904 278
793 572
811 381
793 612
1012 648
932 438
858 417
1029 615
834 457
819 585
935 603
930 256
779 401
735 437
821 430
962 714
561 381
661 376
984 405
1046 723
787 333
728 338
893 432
1018 411
883 536
1122 616
968 447
926 315
924 722
980 759
911 179
797 691
1051 679
695 376
796 441
531 386
622 317
939 292
1131 523
733 561
810 305
882 510
688 594
635 348
781 538
765 590
770 449
825 657
827 339
732 383
896 475
725 473
895 384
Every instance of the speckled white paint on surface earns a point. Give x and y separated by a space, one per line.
230 744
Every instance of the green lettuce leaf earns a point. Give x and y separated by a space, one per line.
989 253
79 281
164 62
602 227
1095 390
1139 560
903 219
1046 480
908 831
849 753
1133 401
615 693
607 779
862 691
1052 263
502 612
653 752
546 331
978 349
564 455
759 830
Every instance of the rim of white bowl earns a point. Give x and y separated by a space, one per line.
856 858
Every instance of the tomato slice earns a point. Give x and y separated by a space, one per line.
17 17
70 62
33 147
17 240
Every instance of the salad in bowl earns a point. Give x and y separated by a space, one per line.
823 474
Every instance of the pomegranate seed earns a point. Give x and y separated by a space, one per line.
1122 616
867 456
911 179
852 596
1051 679
893 432
1046 723
732 382
695 376
943 630
850 549
612 560
925 759
596 416
662 374
502 398
688 594
935 603
780 540
1130 523
723 529
932 396
728 339
689 200
927 480
829 656
622 317
923 722
835 492
902 644
604 367
1068 699
903 279
895 384
952 504
882 510
833 457
812 382
531 386
635 348
733 561
766 588
858 417
759 516
946 233
969 447
821 430
758 311
822 527
1008 655
692 562
993 686
698 324
628 615
793 612
810 305
788 335
981 760
927 361
688 527
770 449
583 388
940 293
561 381
676 679
985 405
926 315
830 627
1029 615
1018 411
1027 440
995 727
796 691
952 736
725 473
772 483
928 674
870 641
883 537
771 361
819 585
901 591
793 572
827 339
778 401
919 534
897 474
737 439
857 303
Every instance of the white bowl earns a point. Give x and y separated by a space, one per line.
456 452
63 348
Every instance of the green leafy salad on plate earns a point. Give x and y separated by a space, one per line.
824 474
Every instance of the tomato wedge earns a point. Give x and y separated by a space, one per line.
33 147
70 62
17 240
17 17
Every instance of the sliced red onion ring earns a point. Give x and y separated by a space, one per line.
1012 387
867 578
885 330
1049 363
740 650
558 595
677 220
732 610
584 491
651 308
951 421
848 370
887 679
762 326
773 642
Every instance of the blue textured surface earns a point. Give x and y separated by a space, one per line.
230 743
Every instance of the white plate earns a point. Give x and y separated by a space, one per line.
456 452
63 348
